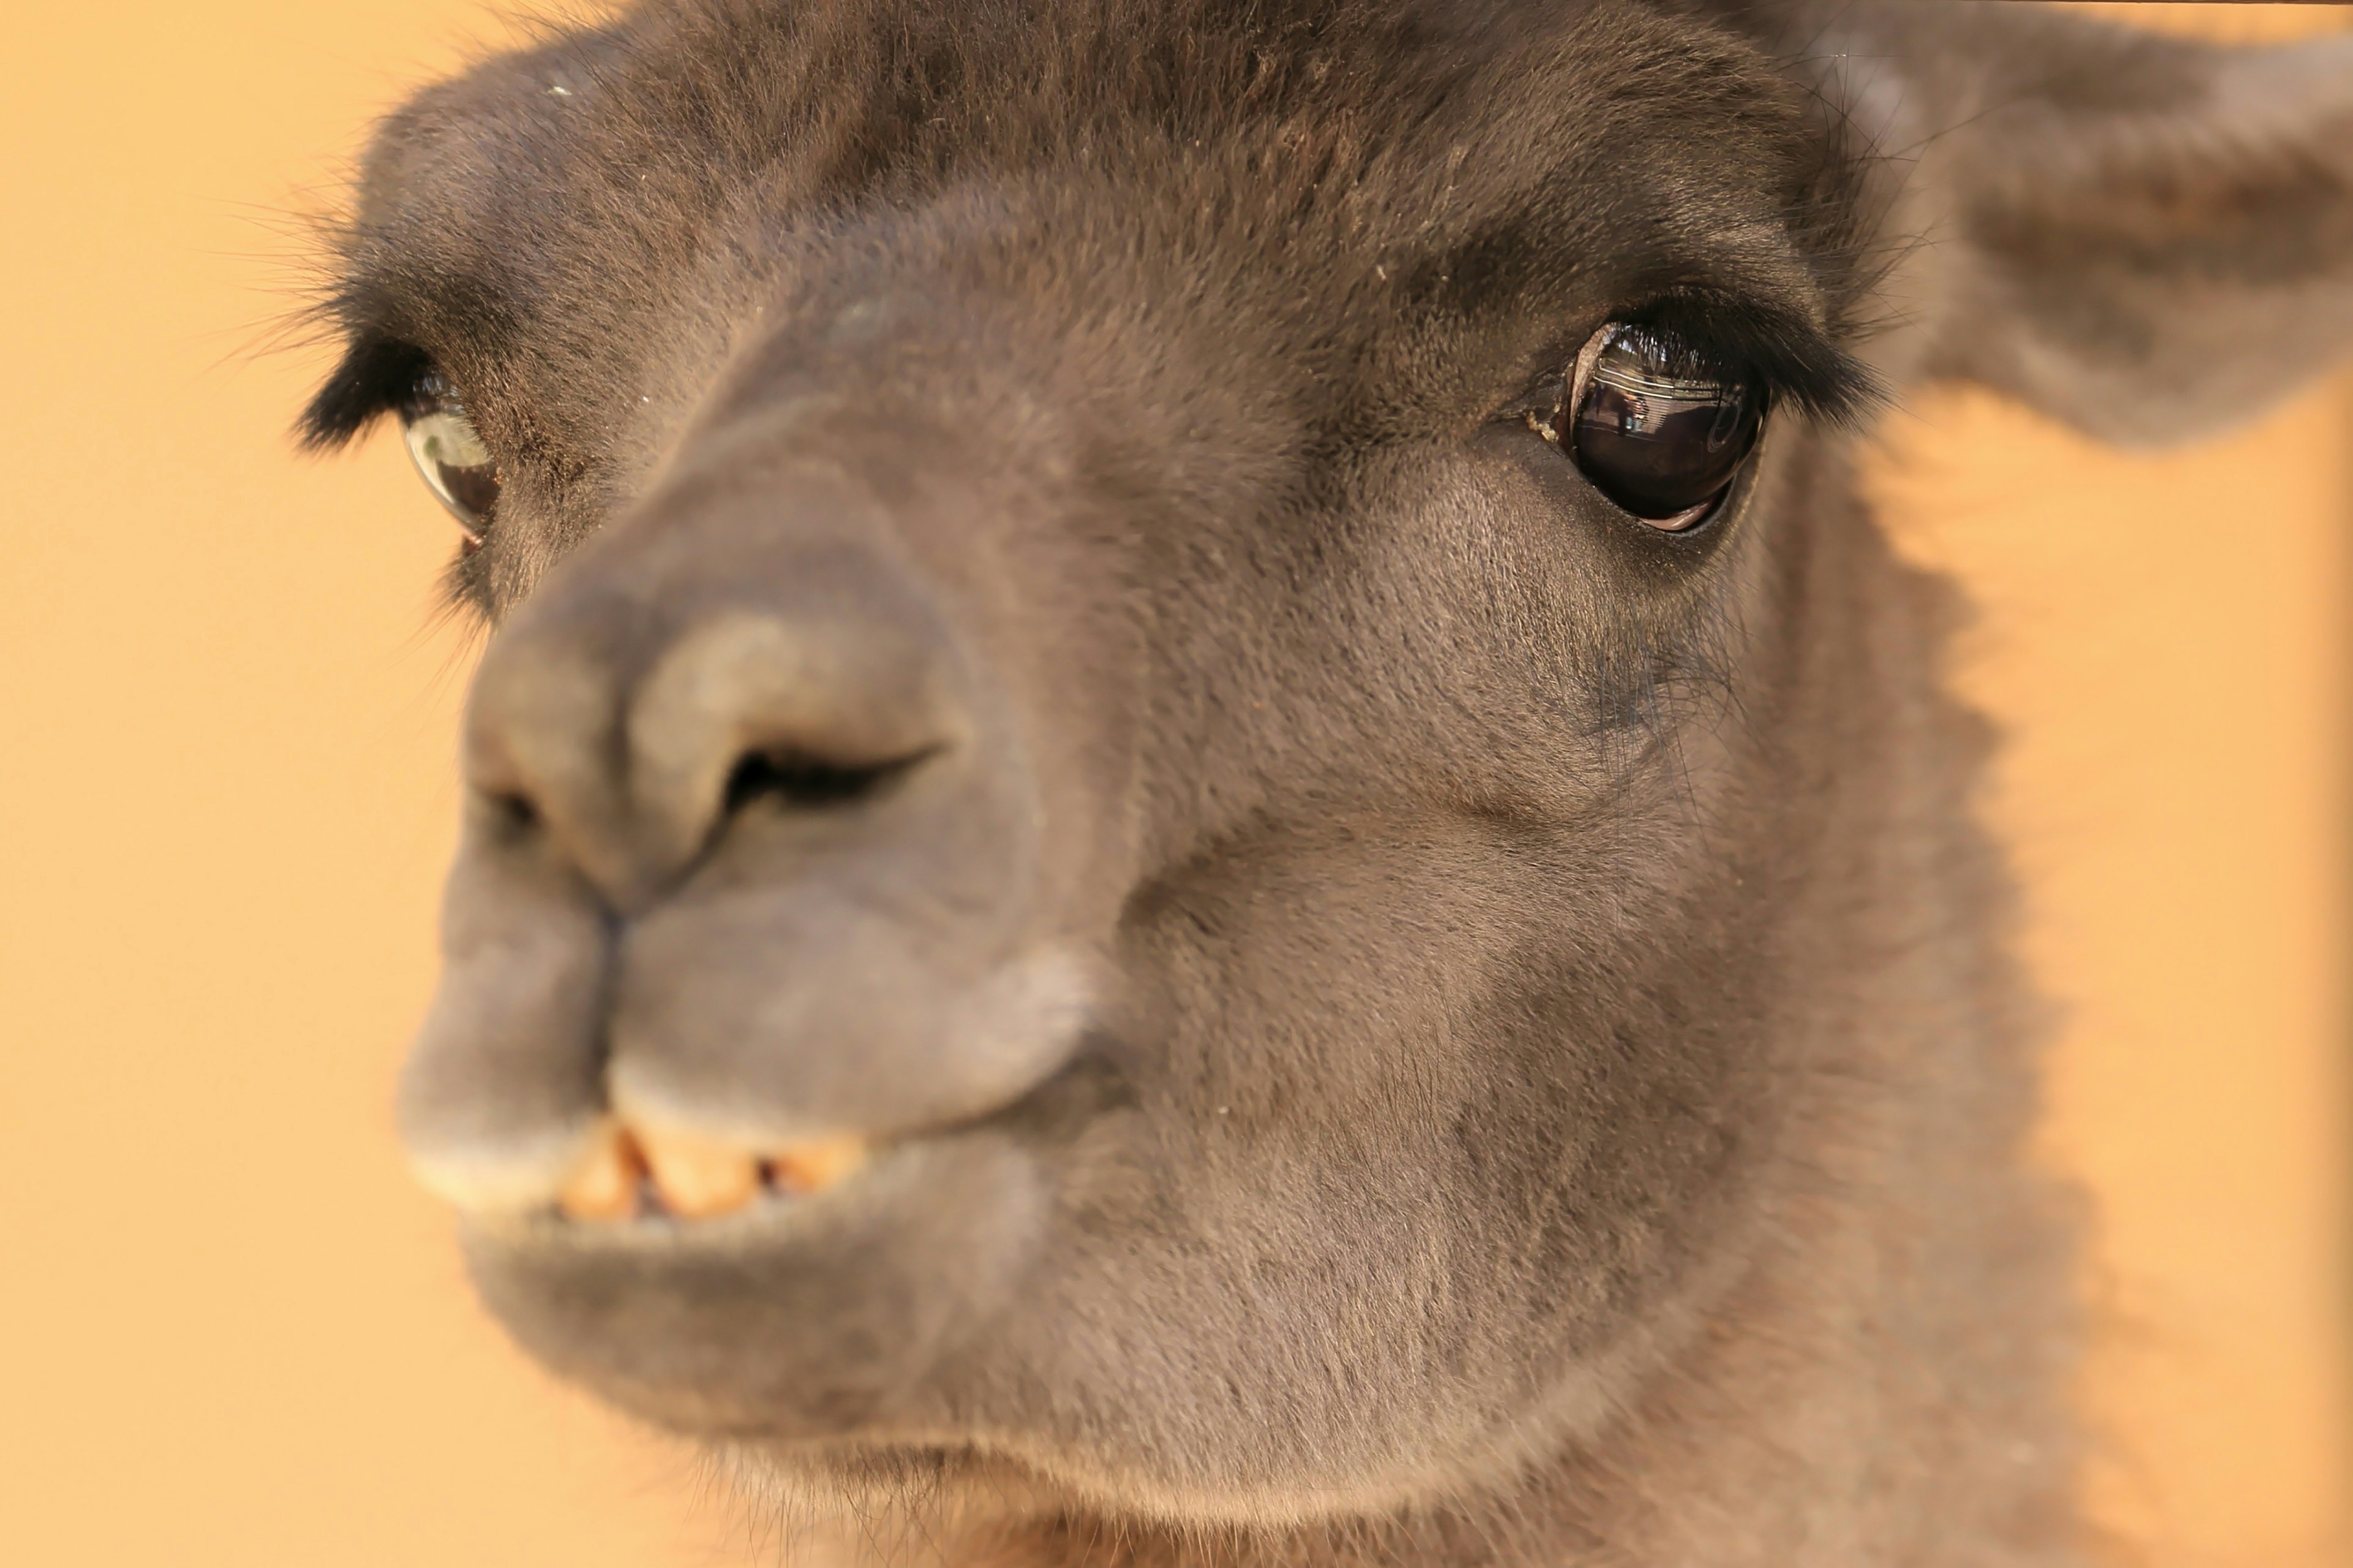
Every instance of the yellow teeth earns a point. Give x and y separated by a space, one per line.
626 1169
604 1185
698 1176
816 1165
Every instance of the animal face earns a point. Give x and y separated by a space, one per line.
1142 818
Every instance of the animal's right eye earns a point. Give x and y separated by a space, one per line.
451 455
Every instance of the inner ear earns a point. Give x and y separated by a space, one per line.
2145 236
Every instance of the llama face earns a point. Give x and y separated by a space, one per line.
1134 824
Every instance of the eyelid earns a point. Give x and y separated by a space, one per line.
1573 384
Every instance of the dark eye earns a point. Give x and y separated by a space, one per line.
449 451
1656 425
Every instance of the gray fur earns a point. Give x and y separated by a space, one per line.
1426 1022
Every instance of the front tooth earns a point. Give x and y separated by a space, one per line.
604 1185
697 1176
813 1166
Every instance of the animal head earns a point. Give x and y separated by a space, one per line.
1187 733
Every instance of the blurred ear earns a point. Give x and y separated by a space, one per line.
2145 236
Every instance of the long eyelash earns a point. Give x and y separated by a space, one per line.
374 376
1794 359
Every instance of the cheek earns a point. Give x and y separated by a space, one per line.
1503 620
1364 1127
1340 993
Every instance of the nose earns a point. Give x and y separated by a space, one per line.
634 733
633 725
748 875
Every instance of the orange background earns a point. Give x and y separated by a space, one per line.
231 1332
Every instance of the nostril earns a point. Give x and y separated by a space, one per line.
505 814
517 812
802 783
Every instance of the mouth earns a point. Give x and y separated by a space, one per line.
769 1297
632 1173
635 1172
795 1291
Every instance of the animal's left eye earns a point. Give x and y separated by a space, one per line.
450 452
1656 424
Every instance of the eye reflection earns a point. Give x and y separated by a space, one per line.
450 454
1656 426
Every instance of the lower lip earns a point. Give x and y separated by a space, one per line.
793 1316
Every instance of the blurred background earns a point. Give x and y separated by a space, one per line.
231 1332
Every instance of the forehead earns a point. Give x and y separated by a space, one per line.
1467 150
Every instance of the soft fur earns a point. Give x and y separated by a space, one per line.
1422 1021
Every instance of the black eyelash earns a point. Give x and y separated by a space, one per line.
1786 352
376 375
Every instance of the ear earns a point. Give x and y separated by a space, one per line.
2142 236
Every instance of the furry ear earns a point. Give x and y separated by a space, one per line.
2145 236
